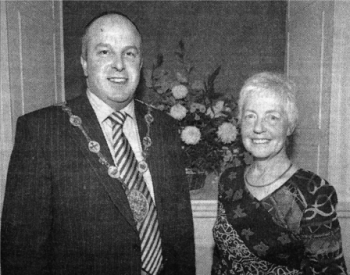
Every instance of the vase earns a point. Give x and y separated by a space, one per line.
209 191
195 179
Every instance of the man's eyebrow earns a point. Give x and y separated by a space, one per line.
102 45
132 47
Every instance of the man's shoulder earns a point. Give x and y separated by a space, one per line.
41 113
52 115
158 115
54 109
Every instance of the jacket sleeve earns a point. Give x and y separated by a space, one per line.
184 244
26 216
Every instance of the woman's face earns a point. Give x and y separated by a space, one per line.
265 126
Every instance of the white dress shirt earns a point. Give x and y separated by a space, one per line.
130 129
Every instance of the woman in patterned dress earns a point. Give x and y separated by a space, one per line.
273 217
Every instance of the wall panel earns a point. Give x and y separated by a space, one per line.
31 66
241 36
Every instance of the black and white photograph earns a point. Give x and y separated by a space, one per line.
175 137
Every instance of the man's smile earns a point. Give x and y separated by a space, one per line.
118 80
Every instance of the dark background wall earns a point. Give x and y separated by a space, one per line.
243 37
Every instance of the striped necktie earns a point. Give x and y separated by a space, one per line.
151 246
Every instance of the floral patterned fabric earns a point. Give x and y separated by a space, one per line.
294 230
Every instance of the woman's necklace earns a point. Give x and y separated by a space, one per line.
270 183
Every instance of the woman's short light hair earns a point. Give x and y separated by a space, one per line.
275 84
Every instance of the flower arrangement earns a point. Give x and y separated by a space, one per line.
208 128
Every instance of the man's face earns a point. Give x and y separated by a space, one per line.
113 61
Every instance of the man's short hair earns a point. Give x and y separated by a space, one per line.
84 38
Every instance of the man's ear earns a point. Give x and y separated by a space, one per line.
83 65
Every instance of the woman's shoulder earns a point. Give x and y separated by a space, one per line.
231 179
305 177
312 186
232 173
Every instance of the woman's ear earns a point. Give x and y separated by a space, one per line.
141 63
291 128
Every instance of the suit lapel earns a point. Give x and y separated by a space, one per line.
81 107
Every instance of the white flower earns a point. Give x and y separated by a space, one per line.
228 156
202 108
227 109
210 113
216 110
161 107
178 111
181 78
179 91
197 106
227 132
191 135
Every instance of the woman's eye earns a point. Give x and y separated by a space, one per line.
248 116
272 118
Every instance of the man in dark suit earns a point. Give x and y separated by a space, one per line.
68 207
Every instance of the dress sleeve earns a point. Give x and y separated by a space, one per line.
320 231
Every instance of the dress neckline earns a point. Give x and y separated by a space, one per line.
287 182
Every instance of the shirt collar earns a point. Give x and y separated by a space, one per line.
103 111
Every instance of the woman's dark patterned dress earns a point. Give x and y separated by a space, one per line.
294 230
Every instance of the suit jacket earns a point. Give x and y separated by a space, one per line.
63 214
